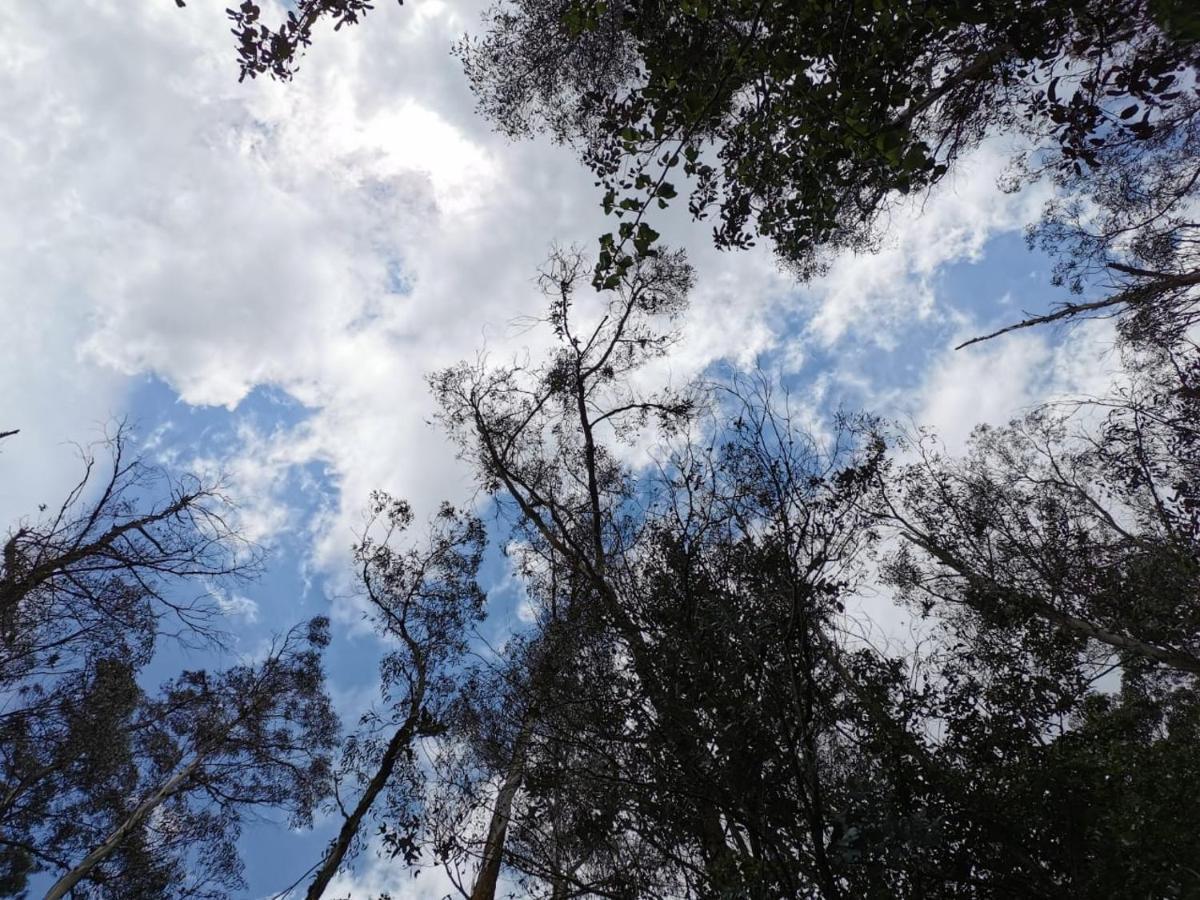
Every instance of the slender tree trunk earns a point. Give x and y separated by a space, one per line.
341 844
172 785
493 848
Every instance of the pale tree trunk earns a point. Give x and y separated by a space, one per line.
169 787
493 848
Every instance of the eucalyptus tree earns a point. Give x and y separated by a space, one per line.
110 789
687 707
532 435
1091 530
85 592
422 600
161 789
1060 557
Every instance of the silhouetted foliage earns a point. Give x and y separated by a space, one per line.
264 50
696 710
424 599
1060 559
803 122
113 790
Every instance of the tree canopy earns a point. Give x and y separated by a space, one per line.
698 702
698 711
111 788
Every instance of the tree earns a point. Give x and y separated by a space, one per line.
1055 558
116 790
106 564
692 713
208 747
682 710
803 122
85 592
532 436
1096 537
423 599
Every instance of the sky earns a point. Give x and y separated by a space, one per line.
260 276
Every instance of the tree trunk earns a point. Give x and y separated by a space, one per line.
493 848
341 844
65 884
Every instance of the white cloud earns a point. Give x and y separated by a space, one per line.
223 236
236 606
374 874
1000 379
341 236
874 296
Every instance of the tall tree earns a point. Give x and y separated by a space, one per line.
207 748
694 715
115 790
1094 535
693 707
423 599
1060 558
533 434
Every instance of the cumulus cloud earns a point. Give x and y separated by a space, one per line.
999 380
342 235
874 296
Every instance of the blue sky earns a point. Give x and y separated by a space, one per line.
261 275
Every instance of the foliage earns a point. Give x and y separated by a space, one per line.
1062 558
694 712
423 599
802 122
263 50
113 789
